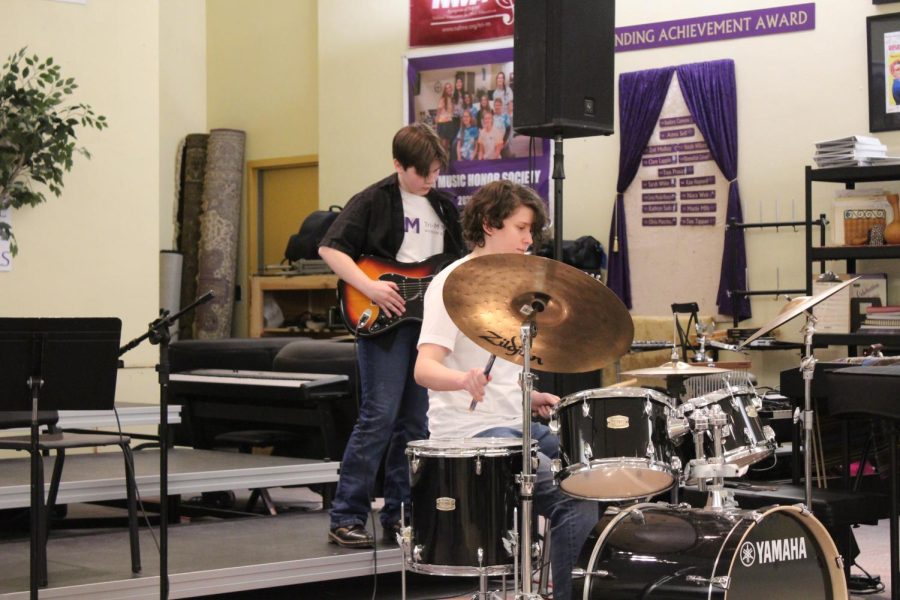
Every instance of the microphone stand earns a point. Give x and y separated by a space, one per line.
158 333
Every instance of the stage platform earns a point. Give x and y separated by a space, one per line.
101 476
204 558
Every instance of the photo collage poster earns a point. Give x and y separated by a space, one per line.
469 99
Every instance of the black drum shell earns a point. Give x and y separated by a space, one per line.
630 449
477 509
745 443
657 552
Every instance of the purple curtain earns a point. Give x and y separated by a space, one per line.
711 95
641 96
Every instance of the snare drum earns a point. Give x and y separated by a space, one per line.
464 497
658 551
745 439
617 443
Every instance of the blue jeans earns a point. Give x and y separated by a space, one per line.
571 520
392 412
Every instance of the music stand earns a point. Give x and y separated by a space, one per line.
55 364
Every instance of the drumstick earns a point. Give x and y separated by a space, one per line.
487 371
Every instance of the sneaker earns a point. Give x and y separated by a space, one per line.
352 536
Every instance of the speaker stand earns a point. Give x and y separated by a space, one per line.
559 174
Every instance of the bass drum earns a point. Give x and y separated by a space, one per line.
659 551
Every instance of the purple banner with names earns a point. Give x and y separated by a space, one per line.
711 28
698 221
655 161
676 171
660 221
659 197
692 181
704 195
659 208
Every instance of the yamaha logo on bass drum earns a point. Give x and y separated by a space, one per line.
771 551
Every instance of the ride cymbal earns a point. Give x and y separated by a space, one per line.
795 307
581 324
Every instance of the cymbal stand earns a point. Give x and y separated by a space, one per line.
808 368
527 478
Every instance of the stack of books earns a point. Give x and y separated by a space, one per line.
853 151
881 320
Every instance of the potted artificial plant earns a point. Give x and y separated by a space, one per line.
37 132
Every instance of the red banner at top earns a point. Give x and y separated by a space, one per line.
436 22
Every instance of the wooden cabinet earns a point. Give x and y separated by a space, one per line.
849 177
295 295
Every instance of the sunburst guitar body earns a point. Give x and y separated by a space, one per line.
412 280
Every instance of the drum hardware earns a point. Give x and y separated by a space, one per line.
720 582
499 300
798 306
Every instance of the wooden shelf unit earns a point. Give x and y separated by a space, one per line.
295 294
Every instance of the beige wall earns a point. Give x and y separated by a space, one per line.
793 90
93 251
182 96
262 75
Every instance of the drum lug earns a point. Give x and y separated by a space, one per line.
612 510
535 550
509 542
677 427
579 573
754 516
768 433
554 424
651 450
720 582
480 557
586 409
535 461
676 464
414 465
637 516
588 453
555 465
648 407
417 553
478 464
839 561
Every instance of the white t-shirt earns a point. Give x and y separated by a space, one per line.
448 412
423 231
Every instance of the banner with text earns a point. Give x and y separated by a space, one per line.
711 28
468 99
675 211
436 22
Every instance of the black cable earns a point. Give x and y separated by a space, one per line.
873 584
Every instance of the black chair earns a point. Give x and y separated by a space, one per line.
54 440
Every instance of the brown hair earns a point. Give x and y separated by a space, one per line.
418 146
493 203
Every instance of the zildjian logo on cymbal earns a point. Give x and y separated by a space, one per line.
511 345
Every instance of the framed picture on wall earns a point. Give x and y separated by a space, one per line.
883 36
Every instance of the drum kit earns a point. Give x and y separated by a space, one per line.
471 511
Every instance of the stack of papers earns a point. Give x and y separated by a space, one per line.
853 151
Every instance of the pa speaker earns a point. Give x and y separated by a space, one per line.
564 67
